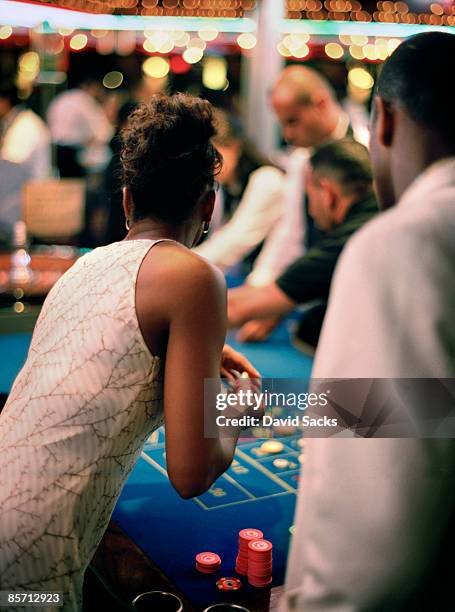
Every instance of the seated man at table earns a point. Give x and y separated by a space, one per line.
341 200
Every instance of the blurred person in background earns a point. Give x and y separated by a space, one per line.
309 114
340 201
80 129
24 137
112 183
249 203
376 523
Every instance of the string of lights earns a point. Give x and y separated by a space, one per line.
312 28
437 14
161 8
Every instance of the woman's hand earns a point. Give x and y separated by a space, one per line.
233 360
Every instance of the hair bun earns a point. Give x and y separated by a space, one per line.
166 139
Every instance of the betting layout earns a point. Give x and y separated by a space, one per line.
258 491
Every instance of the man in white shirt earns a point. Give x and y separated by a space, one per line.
375 522
309 114
80 129
24 137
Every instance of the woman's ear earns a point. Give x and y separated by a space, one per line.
127 203
384 121
207 205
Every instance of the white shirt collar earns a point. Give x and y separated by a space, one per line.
341 128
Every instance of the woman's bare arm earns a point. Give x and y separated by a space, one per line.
190 294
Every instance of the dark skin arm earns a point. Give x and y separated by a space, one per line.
257 330
181 307
246 303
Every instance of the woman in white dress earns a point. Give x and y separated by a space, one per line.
124 342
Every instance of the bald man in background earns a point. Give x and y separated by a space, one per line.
309 114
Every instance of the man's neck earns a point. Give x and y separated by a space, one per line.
422 159
351 202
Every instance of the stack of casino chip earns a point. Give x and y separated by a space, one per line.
208 562
245 537
260 563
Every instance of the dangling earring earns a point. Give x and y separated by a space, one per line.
127 224
205 227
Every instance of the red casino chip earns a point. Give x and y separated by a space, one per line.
241 566
208 562
251 534
258 582
208 559
205 570
253 568
229 584
260 547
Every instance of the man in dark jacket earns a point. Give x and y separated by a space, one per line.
340 201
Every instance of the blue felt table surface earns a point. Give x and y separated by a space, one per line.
13 352
171 530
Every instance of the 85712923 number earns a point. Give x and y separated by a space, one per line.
30 599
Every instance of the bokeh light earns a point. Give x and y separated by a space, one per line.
78 42
193 55
334 50
283 50
5 32
246 40
208 34
214 72
361 78
113 79
301 51
197 43
28 67
357 52
156 67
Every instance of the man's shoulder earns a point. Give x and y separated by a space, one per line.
32 120
69 99
400 234
296 159
268 171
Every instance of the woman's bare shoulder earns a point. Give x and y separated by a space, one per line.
177 271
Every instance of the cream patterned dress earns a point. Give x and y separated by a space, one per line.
75 422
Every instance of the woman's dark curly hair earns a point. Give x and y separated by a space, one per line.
167 156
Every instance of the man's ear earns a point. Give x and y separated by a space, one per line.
127 203
384 122
320 102
331 192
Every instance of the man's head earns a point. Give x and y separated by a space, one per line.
339 175
8 99
305 105
412 121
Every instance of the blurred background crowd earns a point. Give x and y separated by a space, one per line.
70 78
